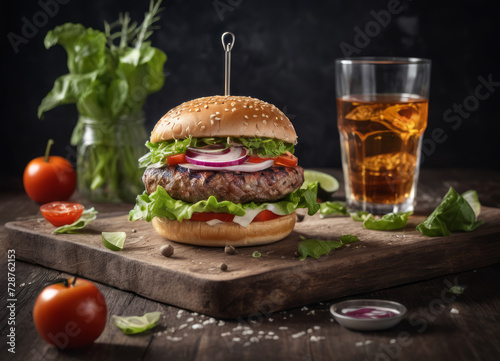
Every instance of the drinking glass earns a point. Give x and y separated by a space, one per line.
382 108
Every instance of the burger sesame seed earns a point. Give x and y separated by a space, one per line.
202 127
217 113
212 116
251 106
216 118
239 100
190 109
233 109
211 122
246 116
197 109
281 118
233 104
201 121
244 106
245 123
257 108
264 121
226 110
255 115
205 106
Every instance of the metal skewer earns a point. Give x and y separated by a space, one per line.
227 49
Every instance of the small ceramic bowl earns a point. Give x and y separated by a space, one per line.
368 315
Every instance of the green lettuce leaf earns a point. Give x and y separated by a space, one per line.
332 209
316 248
265 147
131 325
453 214
388 221
88 215
160 204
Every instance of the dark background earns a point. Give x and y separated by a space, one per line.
284 54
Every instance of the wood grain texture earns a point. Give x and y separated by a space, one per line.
192 278
299 334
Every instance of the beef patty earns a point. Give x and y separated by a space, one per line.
270 184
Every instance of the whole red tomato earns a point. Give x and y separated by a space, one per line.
70 314
50 178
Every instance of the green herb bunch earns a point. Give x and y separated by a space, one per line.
111 73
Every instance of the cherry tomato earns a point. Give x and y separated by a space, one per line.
61 213
176 159
70 314
50 178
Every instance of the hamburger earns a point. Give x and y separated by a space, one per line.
221 171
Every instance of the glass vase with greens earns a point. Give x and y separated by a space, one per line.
111 73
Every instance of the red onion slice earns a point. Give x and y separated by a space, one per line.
217 148
235 156
245 167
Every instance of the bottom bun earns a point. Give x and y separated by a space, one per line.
227 233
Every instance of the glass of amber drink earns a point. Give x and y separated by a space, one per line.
381 115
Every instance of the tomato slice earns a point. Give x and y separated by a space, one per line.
208 216
61 213
255 159
288 160
176 159
263 216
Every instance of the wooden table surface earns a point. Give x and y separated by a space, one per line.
438 326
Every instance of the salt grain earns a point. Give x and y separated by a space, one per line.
300 334
197 326
316 338
454 310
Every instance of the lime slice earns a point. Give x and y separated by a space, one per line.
473 199
113 240
327 183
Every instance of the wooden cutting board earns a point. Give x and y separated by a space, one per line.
277 280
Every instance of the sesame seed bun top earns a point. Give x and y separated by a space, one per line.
224 116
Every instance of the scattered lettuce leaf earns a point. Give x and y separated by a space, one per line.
256 254
453 214
457 290
88 215
348 238
388 221
359 216
316 248
332 209
160 204
131 325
